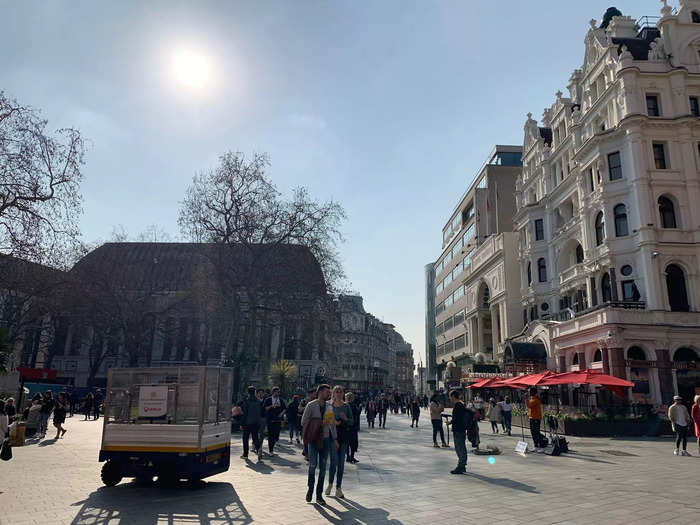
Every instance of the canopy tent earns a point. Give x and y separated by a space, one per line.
589 377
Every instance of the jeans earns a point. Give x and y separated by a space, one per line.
535 431
382 419
337 464
681 436
318 458
437 427
353 443
248 432
461 448
44 422
273 434
507 419
292 428
494 426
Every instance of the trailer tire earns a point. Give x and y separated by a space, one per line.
111 473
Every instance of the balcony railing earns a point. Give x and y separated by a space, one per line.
570 313
572 272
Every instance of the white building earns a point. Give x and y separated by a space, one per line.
607 209
476 278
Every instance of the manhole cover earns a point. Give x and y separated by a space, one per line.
618 453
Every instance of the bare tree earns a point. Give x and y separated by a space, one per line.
236 207
40 176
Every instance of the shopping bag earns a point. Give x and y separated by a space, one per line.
6 450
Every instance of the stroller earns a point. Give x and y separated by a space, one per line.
559 443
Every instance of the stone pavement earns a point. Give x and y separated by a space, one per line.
401 480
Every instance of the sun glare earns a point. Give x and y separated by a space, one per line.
191 69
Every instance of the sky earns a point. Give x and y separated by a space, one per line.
389 107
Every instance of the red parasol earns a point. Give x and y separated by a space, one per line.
527 380
486 383
590 377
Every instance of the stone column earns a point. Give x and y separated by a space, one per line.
562 363
593 293
606 361
495 329
663 362
616 357
480 333
582 360
613 284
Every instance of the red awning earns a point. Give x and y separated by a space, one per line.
590 377
486 383
37 373
527 380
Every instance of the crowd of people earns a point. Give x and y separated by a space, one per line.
43 409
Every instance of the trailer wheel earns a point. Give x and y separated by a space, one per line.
111 473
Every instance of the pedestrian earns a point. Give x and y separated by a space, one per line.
506 414
96 405
292 414
47 404
33 419
274 407
478 402
436 410
88 404
342 414
534 414
382 408
353 441
260 394
493 412
252 415
680 420
319 432
460 422
10 409
310 396
415 412
59 414
473 434
695 416
371 412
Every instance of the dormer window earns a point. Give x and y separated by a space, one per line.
695 17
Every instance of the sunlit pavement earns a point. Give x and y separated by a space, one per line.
401 479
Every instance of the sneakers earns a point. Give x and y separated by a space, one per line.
244 456
309 495
339 493
435 445
327 492
675 452
320 500
445 445
260 455
458 471
685 453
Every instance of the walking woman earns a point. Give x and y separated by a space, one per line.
89 404
353 441
343 422
695 416
59 414
493 412
506 414
436 409
415 412
371 411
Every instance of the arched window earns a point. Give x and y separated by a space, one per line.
597 356
575 360
542 270
695 17
636 353
529 273
621 228
599 229
685 354
579 254
607 289
667 212
677 292
486 297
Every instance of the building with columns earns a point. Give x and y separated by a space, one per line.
609 232
476 279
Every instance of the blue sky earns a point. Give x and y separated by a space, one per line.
389 107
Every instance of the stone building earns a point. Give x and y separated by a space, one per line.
609 243
402 352
476 279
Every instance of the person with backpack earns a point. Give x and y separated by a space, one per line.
252 415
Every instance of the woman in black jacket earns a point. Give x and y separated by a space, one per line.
353 439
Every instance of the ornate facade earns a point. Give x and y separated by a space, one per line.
609 236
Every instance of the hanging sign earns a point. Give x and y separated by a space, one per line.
153 401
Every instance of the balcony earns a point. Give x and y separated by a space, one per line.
493 245
574 273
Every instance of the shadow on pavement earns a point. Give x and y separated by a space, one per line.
505 482
351 512
585 457
215 502
47 442
259 467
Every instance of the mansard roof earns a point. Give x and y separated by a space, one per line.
639 46
169 267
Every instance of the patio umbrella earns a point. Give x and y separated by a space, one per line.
590 377
485 383
527 380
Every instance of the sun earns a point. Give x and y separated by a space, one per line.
191 68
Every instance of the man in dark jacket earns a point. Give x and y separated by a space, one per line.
382 408
293 419
273 408
462 419
251 418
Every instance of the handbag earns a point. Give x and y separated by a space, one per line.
6 450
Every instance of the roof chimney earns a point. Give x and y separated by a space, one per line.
622 27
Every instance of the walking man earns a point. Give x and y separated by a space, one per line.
382 408
680 420
293 418
534 413
461 421
319 432
274 408
252 417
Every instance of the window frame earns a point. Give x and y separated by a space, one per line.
660 163
694 103
656 98
629 283
539 229
621 220
664 213
615 171
542 270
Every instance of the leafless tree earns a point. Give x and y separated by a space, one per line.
236 207
40 176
